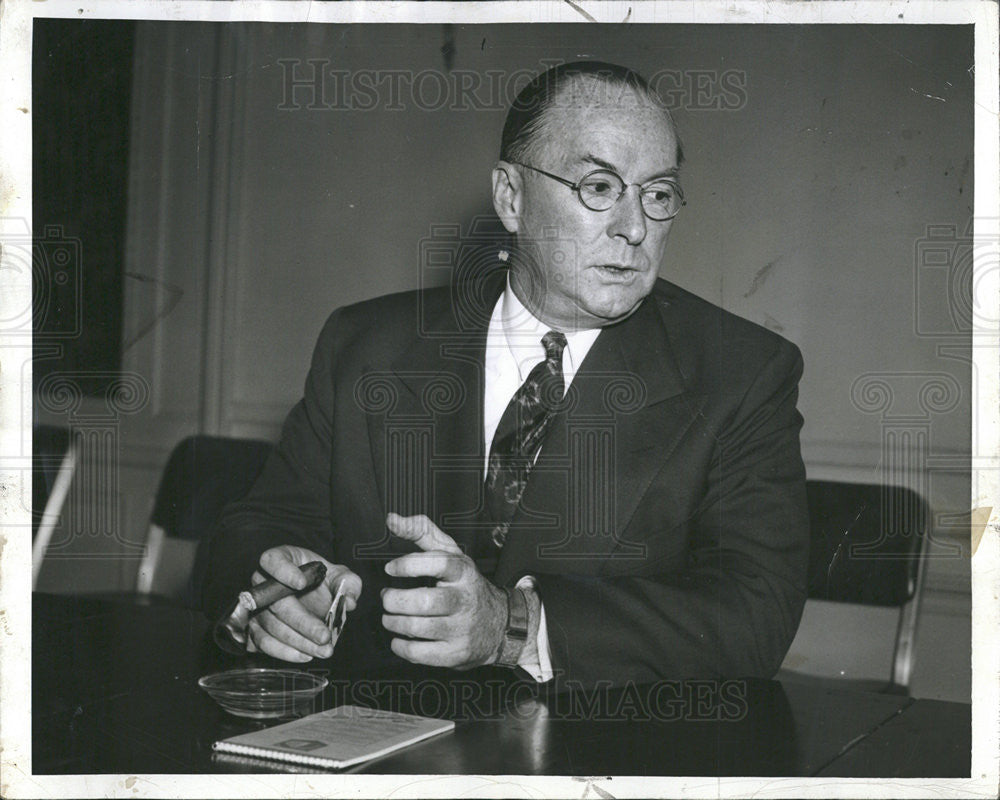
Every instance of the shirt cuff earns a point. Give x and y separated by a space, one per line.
539 668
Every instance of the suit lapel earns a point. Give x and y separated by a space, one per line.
625 412
427 447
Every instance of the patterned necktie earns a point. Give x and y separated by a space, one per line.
519 436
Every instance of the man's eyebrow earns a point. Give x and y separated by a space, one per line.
670 172
599 162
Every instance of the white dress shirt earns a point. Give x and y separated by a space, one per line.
513 348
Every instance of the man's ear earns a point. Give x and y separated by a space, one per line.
507 195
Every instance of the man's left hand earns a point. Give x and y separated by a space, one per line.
459 622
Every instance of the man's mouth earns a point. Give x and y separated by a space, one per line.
615 270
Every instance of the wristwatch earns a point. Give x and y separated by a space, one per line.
516 633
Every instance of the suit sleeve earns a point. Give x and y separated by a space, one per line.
290 501
734 609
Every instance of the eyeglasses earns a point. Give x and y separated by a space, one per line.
601 189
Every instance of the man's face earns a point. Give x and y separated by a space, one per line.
588 268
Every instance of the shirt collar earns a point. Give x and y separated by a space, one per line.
523 333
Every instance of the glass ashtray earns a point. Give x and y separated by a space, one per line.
264 693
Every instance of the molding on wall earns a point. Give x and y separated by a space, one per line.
941 583
263 413
827 454
944 603
239 235
157 344
225 206
252 429
163 131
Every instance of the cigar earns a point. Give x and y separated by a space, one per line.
230 631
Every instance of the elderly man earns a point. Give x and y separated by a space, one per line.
569 466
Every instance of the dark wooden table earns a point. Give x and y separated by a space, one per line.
114 690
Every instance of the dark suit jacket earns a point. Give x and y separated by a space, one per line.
665 520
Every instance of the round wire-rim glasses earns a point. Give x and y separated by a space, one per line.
599 190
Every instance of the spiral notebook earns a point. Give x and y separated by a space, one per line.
336 739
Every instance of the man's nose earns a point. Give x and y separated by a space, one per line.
627 217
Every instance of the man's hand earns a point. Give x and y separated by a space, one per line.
292 629
461 620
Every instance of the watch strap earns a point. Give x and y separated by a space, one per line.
516 630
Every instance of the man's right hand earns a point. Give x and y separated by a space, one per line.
292 629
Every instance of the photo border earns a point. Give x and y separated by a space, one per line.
16 779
